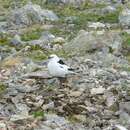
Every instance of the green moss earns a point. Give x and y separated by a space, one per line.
2 87
4 39
38 114
37 55
110 17
32 33
90 5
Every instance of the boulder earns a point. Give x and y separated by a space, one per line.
91 41
30 14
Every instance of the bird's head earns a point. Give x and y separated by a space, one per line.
53 56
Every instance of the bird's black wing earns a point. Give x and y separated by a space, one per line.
61 62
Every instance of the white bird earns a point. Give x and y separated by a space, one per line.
57 67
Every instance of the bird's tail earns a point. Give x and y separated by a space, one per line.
71 71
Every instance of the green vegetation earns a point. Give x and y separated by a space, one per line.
126 38
4 39
2 87
90 5
81 15
110 17
37 55
38 114
31 34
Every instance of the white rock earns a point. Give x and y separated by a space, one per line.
96 25
97 91
19 117
120 127
59 40
3 126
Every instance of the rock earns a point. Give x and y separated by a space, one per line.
16 40
120 127
76 3
30 14
109 9
106 1
75 93
125 106
59 40
49 106
15 118
96 91
57 47
26 88
44 41
124 17
80 118
124 74
96 25
3 126
90 41
22 108
47 37
43 127
124 112
111 101
53 121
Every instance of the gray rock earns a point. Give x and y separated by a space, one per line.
124 17
16 40
120 127
26 88
49 106
30 14
97 91
96 25
44 41
124 112
90 41
109 9
67 2
3 125
22 109
52 119
19 117
47 37
106 1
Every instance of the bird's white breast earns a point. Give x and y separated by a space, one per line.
55 69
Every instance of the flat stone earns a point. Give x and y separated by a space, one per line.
97 91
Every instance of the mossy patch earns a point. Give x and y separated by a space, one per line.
90 5
37 55
2 87
110 17
126 38
38 114
4 39
31 34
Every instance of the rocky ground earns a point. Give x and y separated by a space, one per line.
92 36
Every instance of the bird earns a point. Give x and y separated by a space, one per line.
58 68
